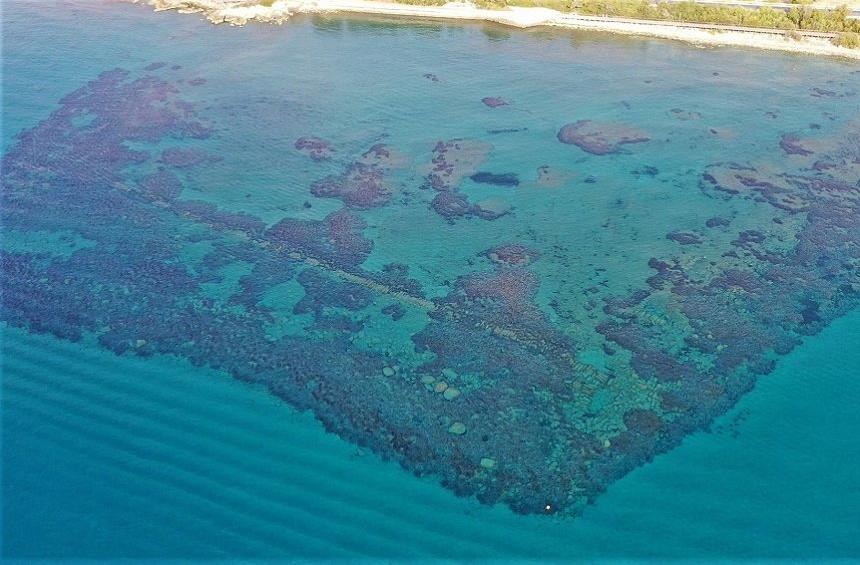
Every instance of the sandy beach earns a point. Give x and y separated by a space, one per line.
240 12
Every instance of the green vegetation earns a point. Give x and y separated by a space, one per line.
823 20
799 17
560 5
848 39
423 2
688 12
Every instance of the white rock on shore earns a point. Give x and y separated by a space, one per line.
233 12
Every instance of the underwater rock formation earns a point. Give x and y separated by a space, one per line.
684 237
314 147
322 293
493 101
514 255
717 222
485 388
600 138
163 185
793 145
336 239
360 187
454 161
394 311
499 179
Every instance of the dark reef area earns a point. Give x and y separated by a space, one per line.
490 403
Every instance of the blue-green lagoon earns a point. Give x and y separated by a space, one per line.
356 287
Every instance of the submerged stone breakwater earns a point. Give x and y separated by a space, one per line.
489 390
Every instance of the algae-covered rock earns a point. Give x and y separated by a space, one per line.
493 101
600 138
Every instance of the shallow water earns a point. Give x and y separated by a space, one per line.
154 454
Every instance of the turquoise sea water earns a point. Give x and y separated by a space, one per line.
108 456
188 463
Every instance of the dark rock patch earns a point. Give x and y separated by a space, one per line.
499 179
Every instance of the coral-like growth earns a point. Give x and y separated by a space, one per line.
360 187
453 161
316 148
336 239
515 255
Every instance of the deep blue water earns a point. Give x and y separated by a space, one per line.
148 454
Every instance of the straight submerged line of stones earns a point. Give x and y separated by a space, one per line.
596 376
